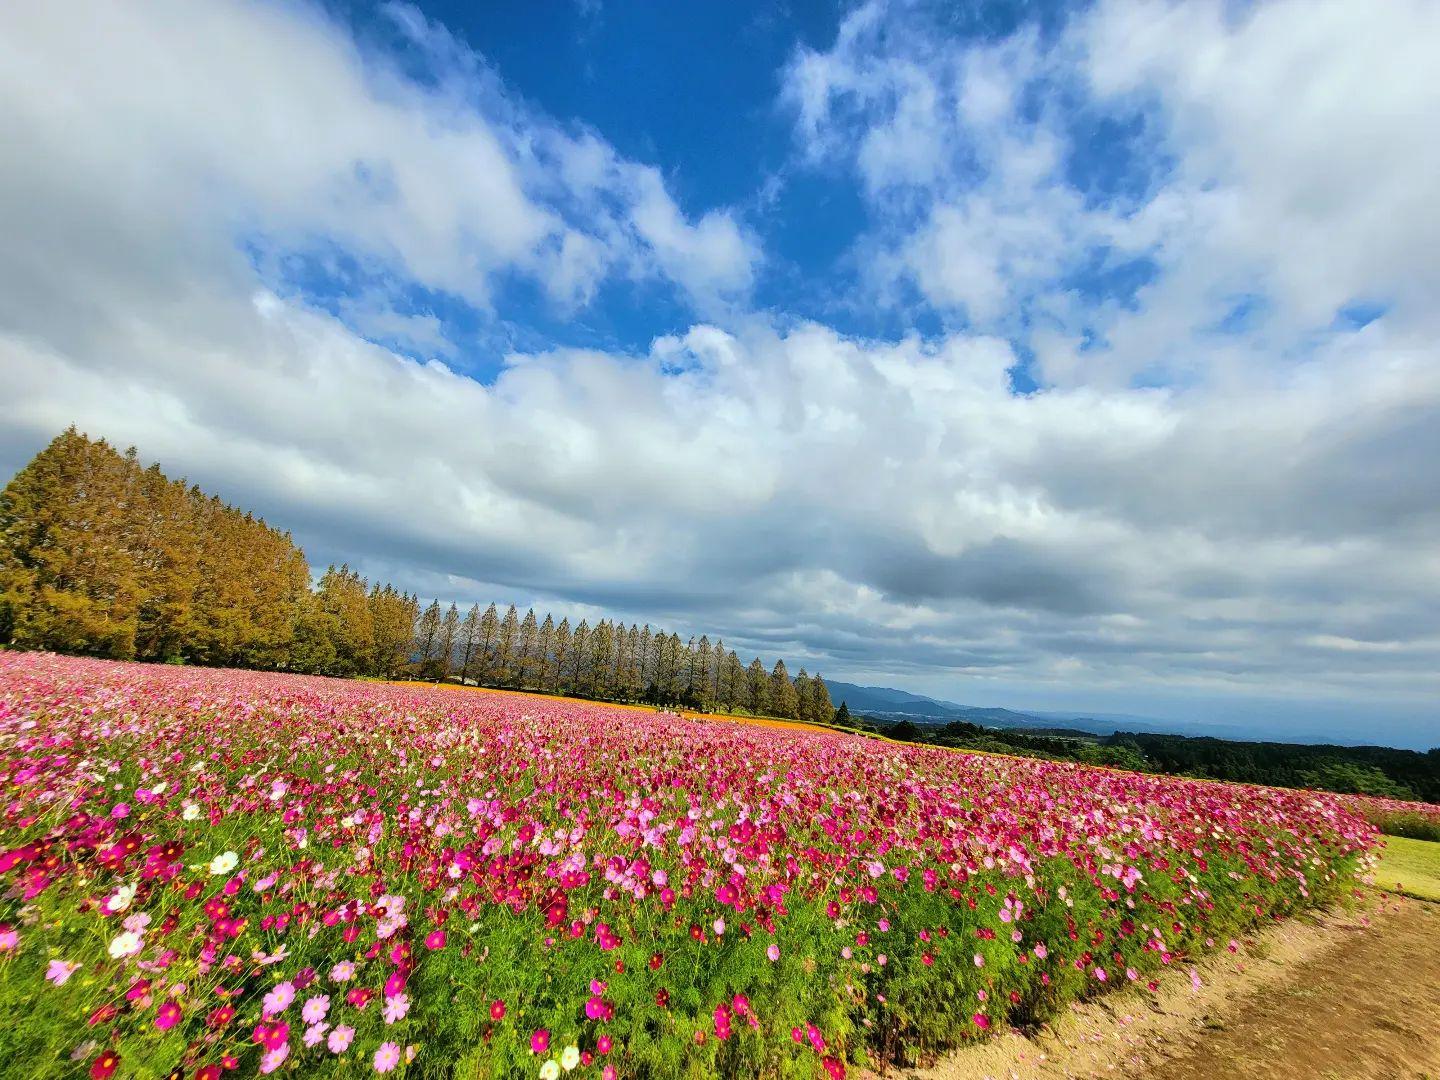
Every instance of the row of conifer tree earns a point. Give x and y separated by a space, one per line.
102 556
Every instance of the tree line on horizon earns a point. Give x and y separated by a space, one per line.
102 556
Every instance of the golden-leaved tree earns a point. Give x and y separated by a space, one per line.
101 556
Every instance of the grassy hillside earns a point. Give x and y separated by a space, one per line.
1411 867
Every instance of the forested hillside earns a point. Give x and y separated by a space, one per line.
1380 771
102 556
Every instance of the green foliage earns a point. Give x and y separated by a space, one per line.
100 556
1375 770
1352 778
1411 824
1411 866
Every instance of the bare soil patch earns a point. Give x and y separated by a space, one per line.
1341 994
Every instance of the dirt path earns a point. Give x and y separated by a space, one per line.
1346 996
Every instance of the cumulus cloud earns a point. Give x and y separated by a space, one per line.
964 176
1271 166
1261 522
271 124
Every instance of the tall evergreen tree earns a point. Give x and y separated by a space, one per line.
735 681
602 648
469 641
674 662
823 711
757 688
392 623
525 650
486 661
312 641
343 598
427 640
699 689
634 682
804 699
68 574
505 648
579 656
782 697
545 648
564 643
449 635
168 564
647 658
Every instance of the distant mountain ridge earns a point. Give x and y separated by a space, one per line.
888 702
891 704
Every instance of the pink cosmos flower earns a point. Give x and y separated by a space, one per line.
315 1009
278 1000
273 1059
315 1034
773 952
340 1039
271 1036
59 971
540 1041
387 1057
168 1016
395 1008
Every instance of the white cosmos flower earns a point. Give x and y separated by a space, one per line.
122 899
127 944
570 1058
191 811
224 863
550 1070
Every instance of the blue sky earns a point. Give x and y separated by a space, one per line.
1032 354
699 92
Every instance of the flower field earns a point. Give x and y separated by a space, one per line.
1416 820
210 873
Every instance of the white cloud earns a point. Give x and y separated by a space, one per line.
1265 523
763 477
232 121
967 189
1284 153
1305 141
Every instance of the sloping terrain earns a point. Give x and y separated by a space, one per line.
1344 996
